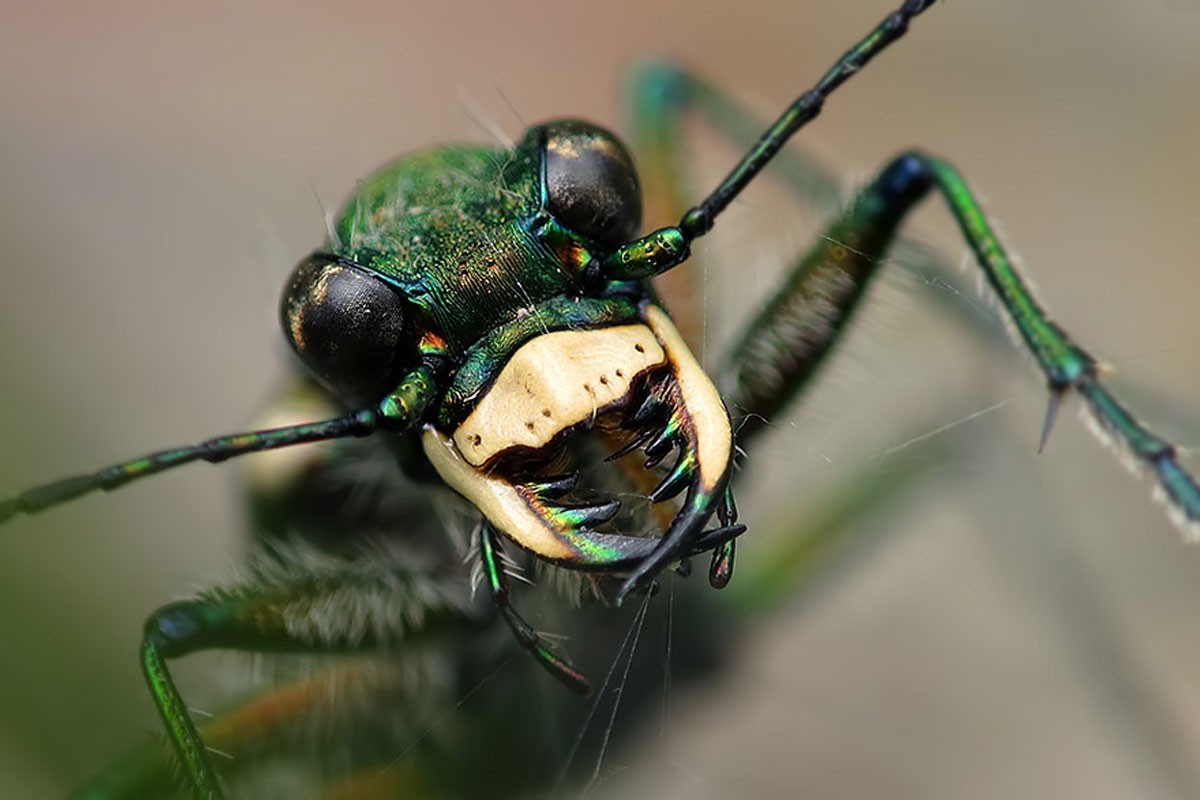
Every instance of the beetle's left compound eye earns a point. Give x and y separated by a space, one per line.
346 325
591 184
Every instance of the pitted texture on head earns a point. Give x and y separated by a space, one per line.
447 226
554 382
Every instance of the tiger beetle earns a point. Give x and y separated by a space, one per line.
487 309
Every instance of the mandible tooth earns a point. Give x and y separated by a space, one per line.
659 446
676 481
650 410
554 486
637 442
588 515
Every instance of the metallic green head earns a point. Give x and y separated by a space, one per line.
468 239
481 262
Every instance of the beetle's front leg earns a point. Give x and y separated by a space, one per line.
788 340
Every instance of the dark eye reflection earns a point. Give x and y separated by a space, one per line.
591 182
346 325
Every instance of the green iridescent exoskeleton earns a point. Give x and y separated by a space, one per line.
479 266
448 227
485 315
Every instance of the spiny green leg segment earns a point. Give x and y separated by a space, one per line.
783 346
1066 365
180 729
785 343
397 410
1059 358
668 247
489 549
1178 485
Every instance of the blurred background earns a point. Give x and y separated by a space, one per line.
1022 626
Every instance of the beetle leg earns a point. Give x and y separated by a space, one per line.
527 636
331 606
786 342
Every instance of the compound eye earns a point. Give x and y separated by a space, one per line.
591 183
347 327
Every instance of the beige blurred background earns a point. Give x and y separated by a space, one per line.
1027 626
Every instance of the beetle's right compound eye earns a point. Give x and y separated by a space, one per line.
346 325
591 183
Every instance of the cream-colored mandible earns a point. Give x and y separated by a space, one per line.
553 382
503 504
701 401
